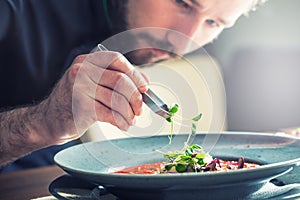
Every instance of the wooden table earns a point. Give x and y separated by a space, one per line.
28 184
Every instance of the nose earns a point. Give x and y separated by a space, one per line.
182 35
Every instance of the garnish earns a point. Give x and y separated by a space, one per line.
197 118
190 159
194 128
173 110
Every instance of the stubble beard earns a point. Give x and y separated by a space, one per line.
141 55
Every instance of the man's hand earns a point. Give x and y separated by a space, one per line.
102 86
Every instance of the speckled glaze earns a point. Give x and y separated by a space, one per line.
95 161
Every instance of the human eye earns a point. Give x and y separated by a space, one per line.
212 23
183 4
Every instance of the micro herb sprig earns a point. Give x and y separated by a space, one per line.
173 110
191 159
193 128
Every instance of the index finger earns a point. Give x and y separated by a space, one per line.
116 61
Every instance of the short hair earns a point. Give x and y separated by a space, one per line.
254 6
260 1
257 3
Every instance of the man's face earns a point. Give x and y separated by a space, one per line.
179 22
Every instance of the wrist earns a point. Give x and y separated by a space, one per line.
40 123
20 134
57 124
30 128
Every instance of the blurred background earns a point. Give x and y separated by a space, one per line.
260 60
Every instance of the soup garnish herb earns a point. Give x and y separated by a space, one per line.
190 159
193 159
173 109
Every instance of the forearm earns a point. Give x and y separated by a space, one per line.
22 131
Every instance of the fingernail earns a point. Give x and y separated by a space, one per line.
143 88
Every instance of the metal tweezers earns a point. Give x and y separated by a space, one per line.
156 104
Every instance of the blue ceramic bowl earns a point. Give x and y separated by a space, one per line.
95 161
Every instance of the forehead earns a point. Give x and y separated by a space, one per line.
230 9
233 8
226 5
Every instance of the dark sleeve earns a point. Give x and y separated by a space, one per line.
36 38
38 41
6 19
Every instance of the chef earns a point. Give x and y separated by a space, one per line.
49 71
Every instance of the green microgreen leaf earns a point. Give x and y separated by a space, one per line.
170 119
181 168
192 157
194 128
195 147
168 167
174 109
200 155
188 152
197 118
201 162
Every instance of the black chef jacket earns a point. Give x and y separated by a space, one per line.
38 41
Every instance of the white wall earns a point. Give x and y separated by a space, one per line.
260 58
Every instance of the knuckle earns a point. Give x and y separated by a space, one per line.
79 58
116 55
73 71
120 79
75 68
112 56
